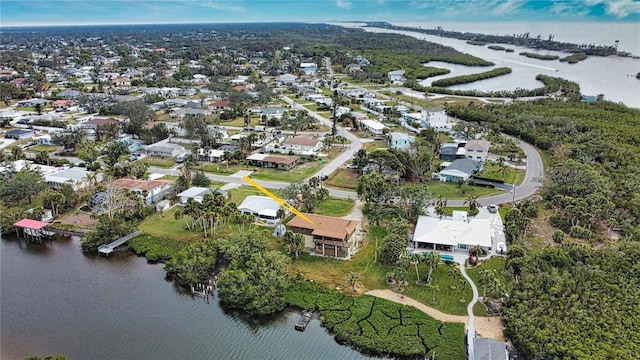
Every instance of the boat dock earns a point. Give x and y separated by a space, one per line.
304 321
108 248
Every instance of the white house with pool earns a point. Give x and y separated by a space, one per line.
451 234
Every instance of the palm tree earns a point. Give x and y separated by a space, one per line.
485 278
475 251
432 260
453 273
502 164
434 288
472 201
416 259
352 278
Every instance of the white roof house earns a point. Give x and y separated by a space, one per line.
373 126
196 193
456 233
75 176
264 208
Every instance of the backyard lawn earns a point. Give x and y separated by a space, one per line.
331 272
40 148
453 191
161 162
332 206
491 170
165 225
300 172
343 179
238 195
495 264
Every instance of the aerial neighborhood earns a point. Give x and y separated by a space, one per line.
214 154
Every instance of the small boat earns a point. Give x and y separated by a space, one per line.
303 322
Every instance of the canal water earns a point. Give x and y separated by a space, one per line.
55 300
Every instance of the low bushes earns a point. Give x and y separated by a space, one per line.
379 326
155 248
463 79
539 56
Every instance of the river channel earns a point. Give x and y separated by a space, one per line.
55 300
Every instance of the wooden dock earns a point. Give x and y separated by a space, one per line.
304 321
108 248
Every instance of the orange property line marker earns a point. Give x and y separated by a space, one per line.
285 205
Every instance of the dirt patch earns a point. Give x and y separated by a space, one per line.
486 327
81 220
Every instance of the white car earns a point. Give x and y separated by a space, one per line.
492 209
352 166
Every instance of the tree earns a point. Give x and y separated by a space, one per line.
415 260
294 243
472 201
360 160
371 188
558 236
53 200
453 274
486 278
432 260
352 278
475 251
113 151
394 244
17 186
201 180
304 196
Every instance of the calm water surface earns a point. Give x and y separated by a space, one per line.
55 300
612 76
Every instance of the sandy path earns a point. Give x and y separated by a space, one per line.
488 327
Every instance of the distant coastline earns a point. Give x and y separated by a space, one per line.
523 40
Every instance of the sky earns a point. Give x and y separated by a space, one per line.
90 12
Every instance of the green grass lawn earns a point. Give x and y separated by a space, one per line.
330 272
40 148
221 169
161 162
300 172
239 194
374 145
491 170
165 225
496 264
332 206
452 191
343 179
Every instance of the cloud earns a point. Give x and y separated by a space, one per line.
618 8
343 4
220 5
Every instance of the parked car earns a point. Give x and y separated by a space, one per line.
352 166
324 177
492 209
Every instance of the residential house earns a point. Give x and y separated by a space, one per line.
221 105
68 94
264 208
280 162
477 149
460 170
77 177
396 76
373 126
211 155
165 149
181 113
271 112
451 151
328 236
398 140
95 122
196 193
308 68
450 234
61 105
351 68
287 79
302 145
43 140
33 102
19 134
151 191
435 118
490 349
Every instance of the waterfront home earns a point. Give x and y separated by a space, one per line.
196 193
328 236
77 177
451 151
450 234
151 191
396 76
264 208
